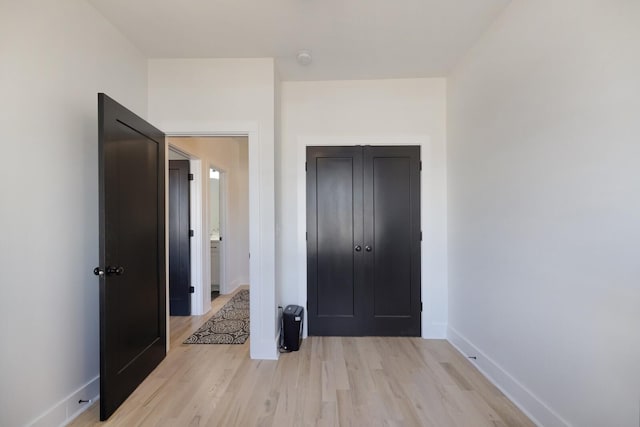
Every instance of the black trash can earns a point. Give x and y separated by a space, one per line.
292 319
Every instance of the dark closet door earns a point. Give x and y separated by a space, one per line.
392 240
179 250
132 251
363 241
334 251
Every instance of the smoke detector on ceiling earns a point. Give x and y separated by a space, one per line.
304 57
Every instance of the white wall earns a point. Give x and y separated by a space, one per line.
55 57
232 97
410 111
228 154
544 208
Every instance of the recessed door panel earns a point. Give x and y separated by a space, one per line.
391 237
135 219
334 178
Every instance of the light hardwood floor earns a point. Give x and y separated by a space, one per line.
331 381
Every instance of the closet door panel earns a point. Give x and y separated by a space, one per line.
335 223
334 230
391 236
392 240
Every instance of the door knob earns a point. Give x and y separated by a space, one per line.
98 271
367 248
358 248
114 270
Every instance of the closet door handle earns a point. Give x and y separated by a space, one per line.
358 248
367 248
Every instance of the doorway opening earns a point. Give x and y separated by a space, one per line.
219 215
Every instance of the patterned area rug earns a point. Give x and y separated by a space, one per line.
230 325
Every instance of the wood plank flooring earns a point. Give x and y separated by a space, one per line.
331 381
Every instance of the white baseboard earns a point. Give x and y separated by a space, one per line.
66 410
523 398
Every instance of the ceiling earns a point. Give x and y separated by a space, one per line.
348 39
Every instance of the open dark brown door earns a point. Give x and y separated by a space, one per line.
179 235
132 251
363 241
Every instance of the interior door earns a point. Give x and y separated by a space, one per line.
179 250
132 251
334 233
392 240
363 241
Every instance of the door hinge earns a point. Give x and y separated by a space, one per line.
306 235
420 165
421 236
420 306
192 289
190 177
191 233
220 238
307 306
305 166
